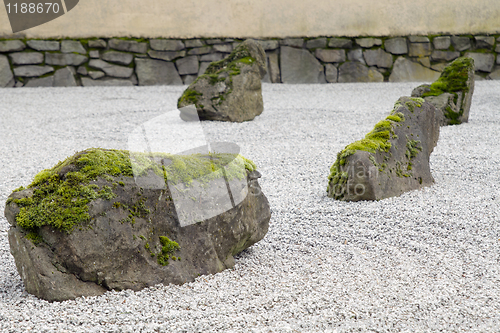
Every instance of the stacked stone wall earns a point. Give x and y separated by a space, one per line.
129 61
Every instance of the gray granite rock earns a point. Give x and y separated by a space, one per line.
128 45
420 49
26 58
64 59
203 68
396 45
357 72
368 42
96 74
43 82
32 70
6 76
110 69
331 73
497 50
393 165
444 55
294 42
341 43
460 43
187 65
166 55
200 50
269 45
118 57
230 90
224 48
188 79
166 44
482 61
11 45
82 70
160 246
378 58
87 82
418 39
356 55
439 67
495 75
300 66
484 42
273 67
442 42
425 61
98 44
19 84
64 78
43 45
214 41
94 54
316 43
330 55
70 46
156 72
212 57
193 43
405 70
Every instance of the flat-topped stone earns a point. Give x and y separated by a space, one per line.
26 58
44 45
11 45
166 44
70 46
128 45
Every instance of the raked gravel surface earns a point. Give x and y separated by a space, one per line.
427 261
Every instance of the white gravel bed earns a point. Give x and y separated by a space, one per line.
427 261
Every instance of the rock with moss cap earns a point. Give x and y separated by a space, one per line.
392 159
452 93
230 89
92 223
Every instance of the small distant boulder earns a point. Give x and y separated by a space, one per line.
451 94
392 159
230 89
111 220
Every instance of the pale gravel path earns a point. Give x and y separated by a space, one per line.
428 261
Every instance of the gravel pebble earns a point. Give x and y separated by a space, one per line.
426 261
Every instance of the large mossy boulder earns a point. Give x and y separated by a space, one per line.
451 94
86 226
392 159
230 89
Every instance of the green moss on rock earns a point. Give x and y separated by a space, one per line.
168 247
61 194
453 78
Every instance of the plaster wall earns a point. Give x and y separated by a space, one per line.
264 18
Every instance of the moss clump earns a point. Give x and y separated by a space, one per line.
189 96
453 78
61 200
34 237
412 149
168 247
376 140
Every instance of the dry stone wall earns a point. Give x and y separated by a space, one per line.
128 61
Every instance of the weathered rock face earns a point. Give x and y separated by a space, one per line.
451 94
392 159
405 70
230 89
88 225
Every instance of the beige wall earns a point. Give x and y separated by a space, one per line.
267 18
